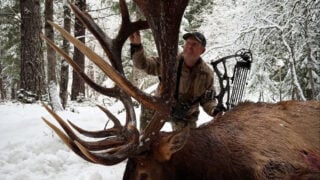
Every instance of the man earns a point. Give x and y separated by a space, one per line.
194 78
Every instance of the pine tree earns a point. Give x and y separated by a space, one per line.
32 76
64 71
9 47
195 13
78 88
51 58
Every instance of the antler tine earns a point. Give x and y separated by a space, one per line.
116 121
97 134
127 27
113 47
63 124
121 153
97 145
106 42
93 146
124 11
130 113
114 151
112 92
100 158
102 38
66 140
122 82
151 130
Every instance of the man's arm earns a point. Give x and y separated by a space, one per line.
208 100
149 65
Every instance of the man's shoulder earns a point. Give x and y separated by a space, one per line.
205 67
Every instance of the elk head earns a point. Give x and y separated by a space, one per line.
123 141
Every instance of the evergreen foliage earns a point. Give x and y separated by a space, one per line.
10 44
284 37
287 32
196 13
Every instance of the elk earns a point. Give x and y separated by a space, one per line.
252 141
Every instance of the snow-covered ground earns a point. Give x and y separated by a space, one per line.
29 150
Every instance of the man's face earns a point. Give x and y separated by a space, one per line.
192 48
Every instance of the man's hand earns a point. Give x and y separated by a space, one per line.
135 43
135 38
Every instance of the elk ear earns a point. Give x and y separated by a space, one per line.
172 143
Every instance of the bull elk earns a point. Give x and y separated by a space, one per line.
252 141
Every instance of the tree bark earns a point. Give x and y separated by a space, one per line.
64 74
32 76
78 87
2 88
51 58
51 53
310 88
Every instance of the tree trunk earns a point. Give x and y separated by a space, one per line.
54 97
51 58
92 94
64 74
32 76
13 91
78 87
2 88
310 88
51 53
297 92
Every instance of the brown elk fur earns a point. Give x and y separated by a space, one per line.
252 141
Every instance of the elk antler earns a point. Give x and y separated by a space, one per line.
116 145
122 141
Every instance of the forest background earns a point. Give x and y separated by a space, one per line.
284 37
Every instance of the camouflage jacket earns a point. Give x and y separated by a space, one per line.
195 83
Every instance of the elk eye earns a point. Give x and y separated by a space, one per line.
143 176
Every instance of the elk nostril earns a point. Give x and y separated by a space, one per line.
143 176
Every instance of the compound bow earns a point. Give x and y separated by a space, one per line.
238 78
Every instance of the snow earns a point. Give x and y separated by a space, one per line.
30 150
